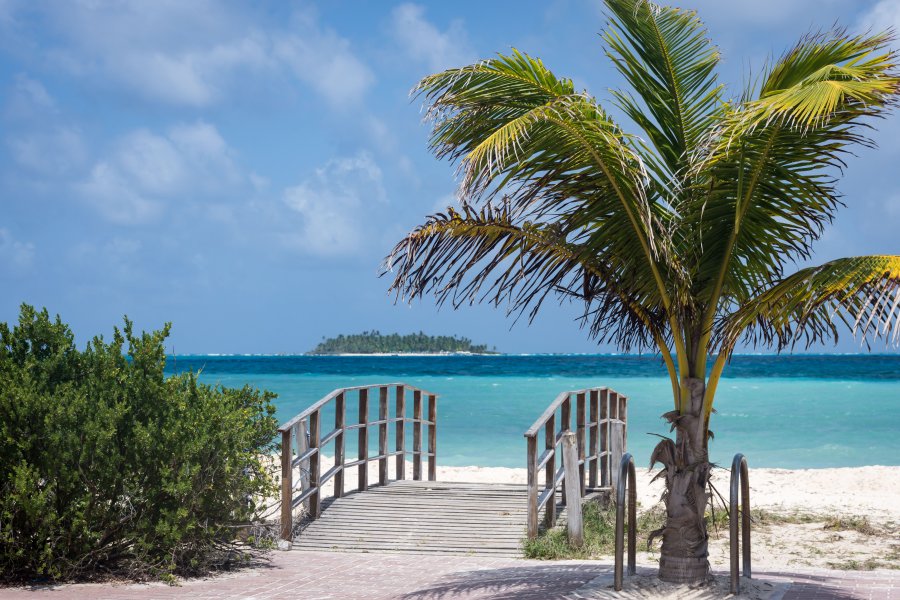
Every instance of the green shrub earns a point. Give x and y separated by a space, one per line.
599 524
107 466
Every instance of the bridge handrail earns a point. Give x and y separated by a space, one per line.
332 395
739 481
607 409
301 446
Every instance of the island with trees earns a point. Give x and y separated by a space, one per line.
374 342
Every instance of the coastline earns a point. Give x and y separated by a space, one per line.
405 354
880 354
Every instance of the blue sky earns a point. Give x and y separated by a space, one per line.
241 169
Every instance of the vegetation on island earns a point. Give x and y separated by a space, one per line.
682 238
108 467
374 342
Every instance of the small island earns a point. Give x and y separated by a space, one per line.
374 342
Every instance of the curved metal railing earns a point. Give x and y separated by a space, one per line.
739 480
626 481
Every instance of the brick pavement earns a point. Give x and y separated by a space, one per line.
332 575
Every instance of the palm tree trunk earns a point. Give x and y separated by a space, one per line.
684 554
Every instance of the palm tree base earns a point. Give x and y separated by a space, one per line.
680 569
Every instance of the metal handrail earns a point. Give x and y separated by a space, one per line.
626 480
739 479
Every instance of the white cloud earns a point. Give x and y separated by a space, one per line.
884 15
39 141
181 53
209 157
110 192
146 171
325 62
333 205
425 43
56 152
197 53
13 253
151 161
28 99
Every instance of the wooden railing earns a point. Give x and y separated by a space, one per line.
601 415
302 442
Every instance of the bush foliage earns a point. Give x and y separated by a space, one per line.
107 466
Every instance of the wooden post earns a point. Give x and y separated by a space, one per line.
565 424
550 471
594 438
573 490
302 446
314 433
604 437
400 415
417 435
617 449
340 420
532 486
623 416
432 438
382 435
579 438
363 446
287 485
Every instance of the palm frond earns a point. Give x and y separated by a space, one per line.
484 255
554 155
863 292
468 104
768 176
666 57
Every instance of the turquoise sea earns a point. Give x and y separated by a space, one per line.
802 411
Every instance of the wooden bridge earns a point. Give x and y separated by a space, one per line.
386 512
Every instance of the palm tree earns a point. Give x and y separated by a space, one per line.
678 240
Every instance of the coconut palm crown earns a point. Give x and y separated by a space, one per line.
679 238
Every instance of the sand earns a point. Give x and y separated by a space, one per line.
846 518
871 491
822 497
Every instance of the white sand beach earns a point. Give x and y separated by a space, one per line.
852 491
840 518
849 494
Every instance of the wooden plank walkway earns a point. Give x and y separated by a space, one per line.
429 517
419 517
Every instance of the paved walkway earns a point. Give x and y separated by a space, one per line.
325 575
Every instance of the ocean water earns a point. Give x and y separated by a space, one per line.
805 411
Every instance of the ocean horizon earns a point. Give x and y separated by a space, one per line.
783 411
